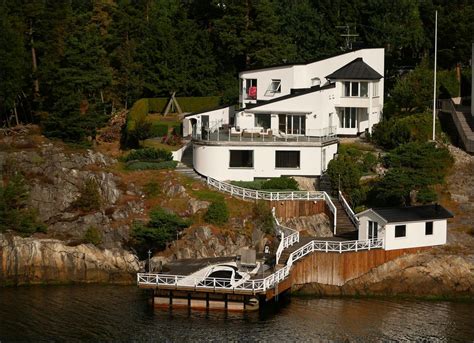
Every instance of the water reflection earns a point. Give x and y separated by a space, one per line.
119 313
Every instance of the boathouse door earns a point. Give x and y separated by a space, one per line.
373 229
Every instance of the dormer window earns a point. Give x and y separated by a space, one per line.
275 86
356 89
315 81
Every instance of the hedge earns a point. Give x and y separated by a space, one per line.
139 165
149 154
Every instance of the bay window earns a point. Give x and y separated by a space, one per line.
356 89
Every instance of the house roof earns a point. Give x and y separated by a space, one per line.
412 213
355 70
290 64
293 94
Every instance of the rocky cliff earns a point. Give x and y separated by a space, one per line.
32 261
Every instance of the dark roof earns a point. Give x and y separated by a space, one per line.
293 93
355 70
413 213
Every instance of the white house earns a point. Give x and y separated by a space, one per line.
408 227
290 118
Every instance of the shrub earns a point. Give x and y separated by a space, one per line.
149 154
368 162
217 213
89 198
151 165
93 236
426 195
172 140
257 184
263 217
161 229
283 183
152 189
159 130
14 212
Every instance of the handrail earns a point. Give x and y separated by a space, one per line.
260 285
332 208
264 195
285 240
348 210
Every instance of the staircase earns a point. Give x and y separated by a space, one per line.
287 252
185 167
344 226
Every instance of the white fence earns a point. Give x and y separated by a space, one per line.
258 285
246 193
348 210
286 239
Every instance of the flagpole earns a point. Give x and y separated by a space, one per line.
434 81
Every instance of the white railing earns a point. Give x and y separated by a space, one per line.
258 285
348 210
246 193
333 210
286 240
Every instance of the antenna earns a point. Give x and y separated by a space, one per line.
348 36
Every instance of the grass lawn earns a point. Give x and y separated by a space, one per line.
169 119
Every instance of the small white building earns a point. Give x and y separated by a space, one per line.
290 118
407 227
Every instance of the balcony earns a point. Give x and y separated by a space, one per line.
225 134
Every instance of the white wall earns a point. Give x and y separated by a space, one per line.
415 235
364 225
213 161
299 76
217 115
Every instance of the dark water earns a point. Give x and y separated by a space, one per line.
119 313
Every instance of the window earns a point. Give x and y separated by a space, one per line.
263 120
373 229
348 118
428 228
292 124
275 86
375 89
241 159
400 231
251 88
287 159
356 89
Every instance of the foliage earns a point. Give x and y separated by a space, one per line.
263 217
413 167
149 154
391 133
273 184
89 198
93 236
208 195
161 229
159 130
414 91
14 212
172 139
217 213
152 189
138 165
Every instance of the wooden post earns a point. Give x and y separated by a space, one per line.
226 300
207 300
189 300
171 298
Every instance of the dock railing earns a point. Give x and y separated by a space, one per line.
257 285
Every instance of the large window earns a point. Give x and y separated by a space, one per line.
356 89
348 118
400 231
292 124
287 159
428 228
375 89
241 159
263 120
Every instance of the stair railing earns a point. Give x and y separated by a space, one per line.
348 209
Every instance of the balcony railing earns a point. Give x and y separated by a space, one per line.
231 134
